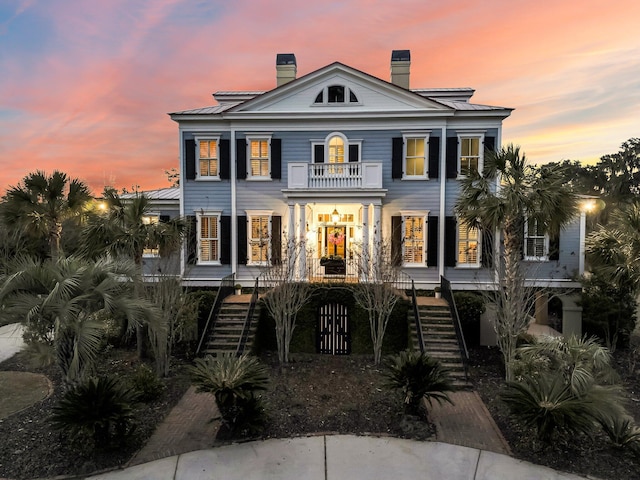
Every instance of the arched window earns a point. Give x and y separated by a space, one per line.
336 149
335 94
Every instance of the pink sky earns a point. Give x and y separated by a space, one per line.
85 87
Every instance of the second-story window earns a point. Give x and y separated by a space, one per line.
208 159
259 157
470 158
415 157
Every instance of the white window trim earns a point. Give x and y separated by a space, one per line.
259 213
535 258
258 137
480 137
425 173
325 97
198 139
415 213
478 262
199 215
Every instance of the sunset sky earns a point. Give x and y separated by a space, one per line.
85 86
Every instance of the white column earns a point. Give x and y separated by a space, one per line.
234 214
291 236
583 233
365 261
302 242
377 224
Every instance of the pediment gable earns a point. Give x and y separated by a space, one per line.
363 93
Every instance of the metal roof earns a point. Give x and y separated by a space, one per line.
172 193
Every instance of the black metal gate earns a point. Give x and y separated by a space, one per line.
333 329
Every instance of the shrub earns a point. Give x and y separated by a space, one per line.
417 376
100 408
622 432
146 383
470 307
234 382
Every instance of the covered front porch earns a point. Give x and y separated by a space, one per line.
338 238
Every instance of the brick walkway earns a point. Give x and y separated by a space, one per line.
467 423
188 427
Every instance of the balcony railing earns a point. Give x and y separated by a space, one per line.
355 175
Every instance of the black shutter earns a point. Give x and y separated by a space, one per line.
224 159
241 158
164 218
242 239
490 143
192 240
276 158
276 239
432 241
452 157
354 153
554 247
318 154
397 149
434 157
450 244
225 239
396 240
486 258
190 159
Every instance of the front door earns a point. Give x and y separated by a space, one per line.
333 329
335 240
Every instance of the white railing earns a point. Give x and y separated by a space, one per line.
353 175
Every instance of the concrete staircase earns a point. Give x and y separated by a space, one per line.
228 326
440 340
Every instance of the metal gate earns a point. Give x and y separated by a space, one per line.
333 329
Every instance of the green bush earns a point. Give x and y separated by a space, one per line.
305 334
145 381
623 433
100 408
417 376
470 307
234 382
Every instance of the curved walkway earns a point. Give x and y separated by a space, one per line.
338 457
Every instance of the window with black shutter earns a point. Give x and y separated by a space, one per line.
276 158
397 148
225 160
450 241
434 157
242 239
241 158
225 239
432 241
452 157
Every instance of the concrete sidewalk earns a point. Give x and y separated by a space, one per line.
10 340
338 457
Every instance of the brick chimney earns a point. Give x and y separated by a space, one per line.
400 63
286 68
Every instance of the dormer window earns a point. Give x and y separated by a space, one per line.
334 94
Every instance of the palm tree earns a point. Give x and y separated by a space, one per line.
614 249
41 203
64 304
124 232
506 194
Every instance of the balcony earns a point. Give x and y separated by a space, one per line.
335 176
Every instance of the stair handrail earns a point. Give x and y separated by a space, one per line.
242 342
224 290
416 316
447 294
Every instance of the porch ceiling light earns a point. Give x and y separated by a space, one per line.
335 216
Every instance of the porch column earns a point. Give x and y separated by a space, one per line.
365 261
377 225
291 235
302 242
